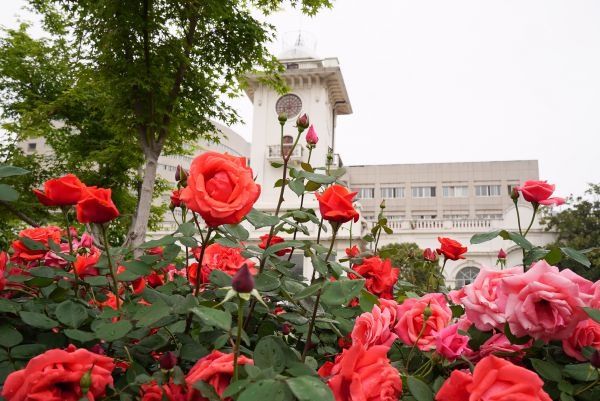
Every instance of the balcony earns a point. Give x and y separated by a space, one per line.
443 225
274 152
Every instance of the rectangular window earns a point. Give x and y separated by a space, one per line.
456 191
456 216
392 192
31 146
489 215
365 193
423 192
395 217
487 190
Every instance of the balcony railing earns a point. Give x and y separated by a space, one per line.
442 224
274 152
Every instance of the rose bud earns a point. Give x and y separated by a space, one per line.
243 281
311 136
382 204
85 382
97 349
167 361
501 254
595 359
514 194
302 122
180 174
430 255
286 329
282 117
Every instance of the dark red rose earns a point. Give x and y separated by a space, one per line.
335 204
274 240
96 206
175 198
63 191
451 249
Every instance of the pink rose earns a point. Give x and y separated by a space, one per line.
373 328
480 298
413 328
586 334
586 287
539 192
499 344
391 306
450 344
595 301
542 303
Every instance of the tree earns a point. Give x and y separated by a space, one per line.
155 72
578 227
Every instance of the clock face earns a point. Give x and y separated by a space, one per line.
289 104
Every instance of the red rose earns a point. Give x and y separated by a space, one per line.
352 252
274 240
96 206
451 249
379 274
586 334
64 191
167 392
335 204
429 255
221 188
85 264
215 369
219 257
22 254
539 192
176 198
493 379
361 374
55 376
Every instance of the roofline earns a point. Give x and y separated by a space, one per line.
434 163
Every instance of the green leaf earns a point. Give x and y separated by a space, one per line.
593 313
38 320
266 282
149 315
307 167
297 186
9 336
419 389
341 292
220 278
271 390
312 186
166 240
207 391
9 306
237 231
514 339
8 193
367 301
554 256
235 387
583 372
109 331
309 388
27 351
213 317
517 239
137 267
484 237
576 256
272 249
308 291
317 178
33 245
547 370
10 171
269 353
260 219
81 336
71 314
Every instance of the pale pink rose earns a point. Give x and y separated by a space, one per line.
412 327
86 241
480 298
500 345
373 328
595 301
456 295
586 290
542 303
450 344
586 334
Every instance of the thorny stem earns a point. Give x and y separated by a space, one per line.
65 212
204 245
236 350
111 267
310 149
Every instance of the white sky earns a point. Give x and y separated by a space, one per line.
460 80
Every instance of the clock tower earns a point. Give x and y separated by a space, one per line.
316 87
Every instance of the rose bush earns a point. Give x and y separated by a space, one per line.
216 311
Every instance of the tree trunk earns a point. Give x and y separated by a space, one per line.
139 225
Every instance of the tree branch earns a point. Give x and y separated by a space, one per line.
19 214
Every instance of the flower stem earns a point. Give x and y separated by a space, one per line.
310 149
535 209
111 267
65 212
236 351
204 244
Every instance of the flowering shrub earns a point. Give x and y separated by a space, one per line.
211 312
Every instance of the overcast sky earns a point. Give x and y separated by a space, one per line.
459 80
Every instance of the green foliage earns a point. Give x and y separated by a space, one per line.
416 273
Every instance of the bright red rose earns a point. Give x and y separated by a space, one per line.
64 191
138 284
219 257
361 374
451 249
166 392
55 376
335 204
539 192
215 369
411 317
96 206
85 264
353 251
430 255
274 240
379 274
22 254
586 334
493 379
221 188
176 198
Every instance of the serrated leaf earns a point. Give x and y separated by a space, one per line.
79 335
418 389
341 292
109 331
547 370
576 256
309 388
271 390
213 317
269 353
38 320
71 314
9 336
260 219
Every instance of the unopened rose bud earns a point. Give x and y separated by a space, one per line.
286 329
430 255
180 174
501 254
595 359
427 312
382 204
97 349
302 122
514 194
311 136
243 281
168 360
86 381
282 117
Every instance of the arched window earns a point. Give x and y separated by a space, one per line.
466 275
